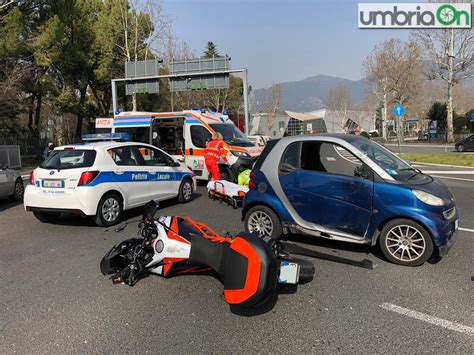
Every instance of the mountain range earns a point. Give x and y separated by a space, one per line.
309 94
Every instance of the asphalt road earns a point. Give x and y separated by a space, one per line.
54 299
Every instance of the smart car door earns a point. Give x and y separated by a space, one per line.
327 186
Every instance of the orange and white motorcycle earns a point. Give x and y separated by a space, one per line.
249 266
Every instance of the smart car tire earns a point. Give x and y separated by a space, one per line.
46 217
185 191
18 191
262 220
405 242
109 210
461 148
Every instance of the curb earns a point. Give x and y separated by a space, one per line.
444 165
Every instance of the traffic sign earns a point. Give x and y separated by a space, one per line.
399 110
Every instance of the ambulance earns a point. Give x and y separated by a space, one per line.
184 136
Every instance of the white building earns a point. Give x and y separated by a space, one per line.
339 121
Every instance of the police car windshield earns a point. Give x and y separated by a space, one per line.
69 159
232 135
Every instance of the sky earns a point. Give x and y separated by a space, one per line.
280 40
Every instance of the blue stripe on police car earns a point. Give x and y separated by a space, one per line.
137 176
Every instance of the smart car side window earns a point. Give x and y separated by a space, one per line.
290 159
330 158
200 136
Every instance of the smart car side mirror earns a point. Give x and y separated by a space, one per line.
364 172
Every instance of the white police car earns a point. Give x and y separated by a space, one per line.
102 179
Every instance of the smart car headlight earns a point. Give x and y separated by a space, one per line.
238 153
427 198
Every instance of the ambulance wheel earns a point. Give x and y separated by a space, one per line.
185 191
109 210
227 174
46 217
263 220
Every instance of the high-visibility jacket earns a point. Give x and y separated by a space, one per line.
216 149
244 178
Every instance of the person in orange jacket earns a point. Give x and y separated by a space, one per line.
215 150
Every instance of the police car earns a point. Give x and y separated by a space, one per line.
102 179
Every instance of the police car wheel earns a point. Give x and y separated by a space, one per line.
109 210
185 191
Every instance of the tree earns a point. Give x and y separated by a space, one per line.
438 112
339 99
393 68
450 57
211 50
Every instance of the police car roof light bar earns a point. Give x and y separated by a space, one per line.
98 137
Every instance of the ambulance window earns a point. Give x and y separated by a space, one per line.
154 157
200 136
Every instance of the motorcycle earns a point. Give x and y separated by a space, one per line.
249 266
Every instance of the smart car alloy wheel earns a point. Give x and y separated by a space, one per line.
261 223
405 242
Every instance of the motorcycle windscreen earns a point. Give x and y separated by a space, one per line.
251 271
118 257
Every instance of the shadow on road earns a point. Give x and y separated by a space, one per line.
6 204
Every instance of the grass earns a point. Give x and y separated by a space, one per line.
453 158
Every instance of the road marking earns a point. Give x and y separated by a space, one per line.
447 172
466 230
429 319
452 178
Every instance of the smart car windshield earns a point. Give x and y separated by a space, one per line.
232 135
393 165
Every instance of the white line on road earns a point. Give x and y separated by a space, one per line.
466 230
452 178
429 319
447 172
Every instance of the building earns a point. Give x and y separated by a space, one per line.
267 124
304 123
340 121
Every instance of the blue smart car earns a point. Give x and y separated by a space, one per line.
348 188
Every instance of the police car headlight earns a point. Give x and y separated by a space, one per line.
240 154
427 198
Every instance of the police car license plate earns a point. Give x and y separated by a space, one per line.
53 183
289 273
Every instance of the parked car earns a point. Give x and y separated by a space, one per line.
103 179
11 184
465 144
348 188
259 140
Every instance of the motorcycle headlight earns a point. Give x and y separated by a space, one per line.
427 198
240 154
